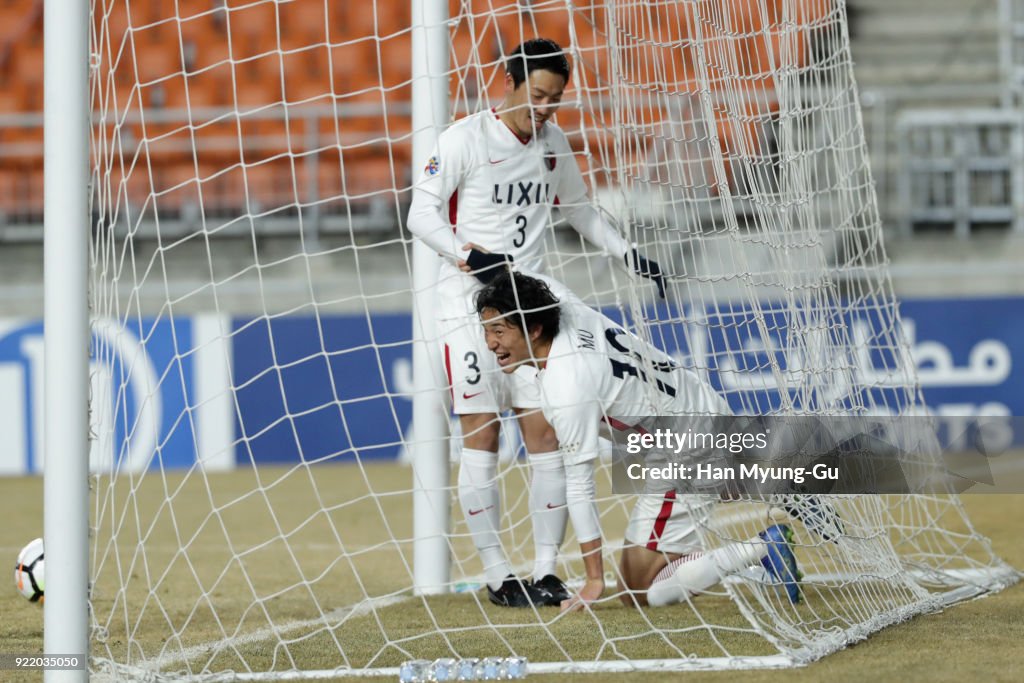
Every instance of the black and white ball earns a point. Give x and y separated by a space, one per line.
28 572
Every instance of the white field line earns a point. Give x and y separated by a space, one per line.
329 619
171 660
178 658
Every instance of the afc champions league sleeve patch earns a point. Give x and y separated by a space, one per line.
433 166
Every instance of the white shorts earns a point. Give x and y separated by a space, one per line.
476 382
668 523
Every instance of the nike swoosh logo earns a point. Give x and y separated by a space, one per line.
555 507
477 512
469 396
498 161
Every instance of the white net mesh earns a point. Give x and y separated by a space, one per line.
251 288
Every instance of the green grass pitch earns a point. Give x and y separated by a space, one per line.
307 589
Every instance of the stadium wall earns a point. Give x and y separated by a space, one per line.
309 390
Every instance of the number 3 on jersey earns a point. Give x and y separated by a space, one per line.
520 238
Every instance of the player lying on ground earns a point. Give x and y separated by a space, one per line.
592 371
484 200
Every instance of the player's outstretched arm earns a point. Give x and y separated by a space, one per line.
595 229
574 203
593 586
580 489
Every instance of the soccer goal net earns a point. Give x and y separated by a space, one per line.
251 293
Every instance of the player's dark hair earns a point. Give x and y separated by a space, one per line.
528 300
539 53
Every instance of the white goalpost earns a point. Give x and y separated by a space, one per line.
264 361
66 342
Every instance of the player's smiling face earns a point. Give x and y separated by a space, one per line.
505 340
536 100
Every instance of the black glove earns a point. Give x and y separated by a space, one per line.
648 269
486 266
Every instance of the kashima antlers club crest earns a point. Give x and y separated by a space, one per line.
550 159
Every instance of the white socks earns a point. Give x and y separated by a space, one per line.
547 510
694 573
478 495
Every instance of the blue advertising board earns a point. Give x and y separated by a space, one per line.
313 389
136 422
317 388
336 387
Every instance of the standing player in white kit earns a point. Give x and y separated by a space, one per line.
484 200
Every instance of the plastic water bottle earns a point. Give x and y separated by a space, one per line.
443 670
416 671
467 669
491 669
472 669
516 667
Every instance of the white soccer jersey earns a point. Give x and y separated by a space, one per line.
484 184
599 373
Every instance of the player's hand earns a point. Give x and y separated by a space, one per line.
590 592
482 264
462 263
647 268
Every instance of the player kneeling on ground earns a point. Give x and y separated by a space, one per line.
593 371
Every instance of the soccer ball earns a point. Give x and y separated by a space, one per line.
28 572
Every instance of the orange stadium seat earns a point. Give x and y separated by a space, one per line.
209 43
28 62
307 73
211 87
370 176
396 60
29 96
217 146
254 21
157 53
190 8
8 191
395 19
112 19
360 19
351 62
305 22
550 23
271 185
355 70
10 101
350 130
265 139
175 186
168 94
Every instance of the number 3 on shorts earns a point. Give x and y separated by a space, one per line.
472 363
